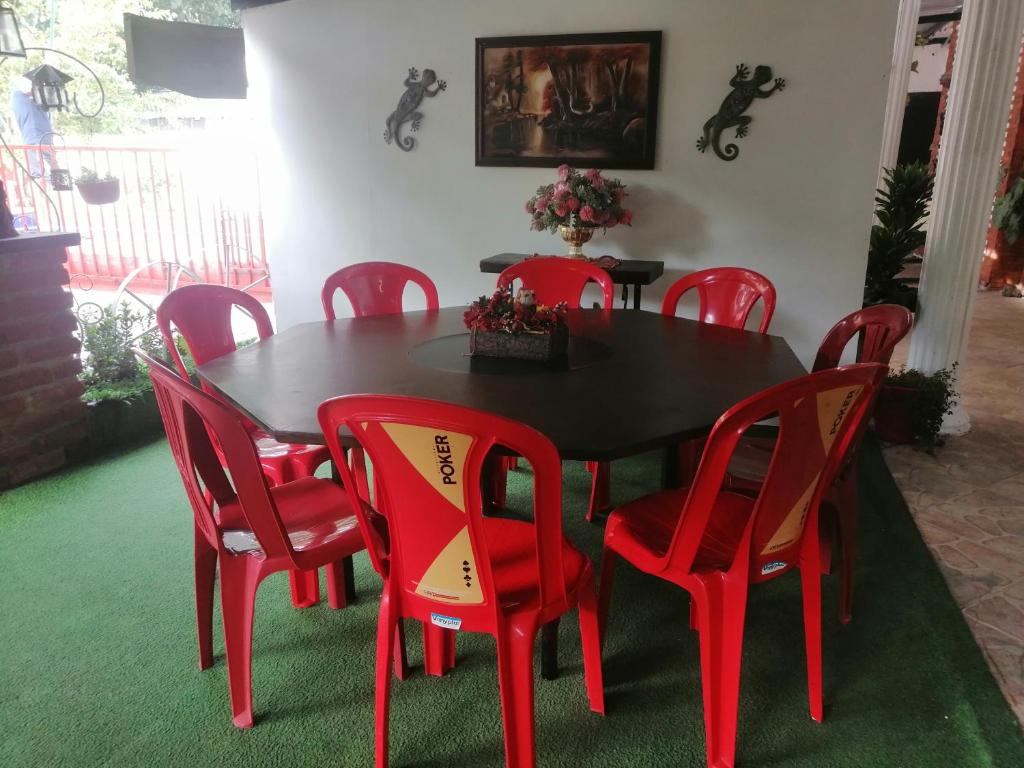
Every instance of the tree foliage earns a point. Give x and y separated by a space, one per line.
93 31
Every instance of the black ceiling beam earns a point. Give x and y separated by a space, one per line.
241 5
941 18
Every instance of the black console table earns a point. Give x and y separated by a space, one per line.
631 272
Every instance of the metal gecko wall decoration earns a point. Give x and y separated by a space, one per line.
416 89
745 89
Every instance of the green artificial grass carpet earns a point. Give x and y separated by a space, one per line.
98 663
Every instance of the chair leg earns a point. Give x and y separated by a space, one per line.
811 586
438 650
549 650
600 490
205 574
341 589
590 637
846 525
305 587
515 678
689 459
609 559
386 634
239 579
721 609
402 669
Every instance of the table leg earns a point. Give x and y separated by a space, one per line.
549 650
680 462
494 482
625 295
636 295
670 468
350 579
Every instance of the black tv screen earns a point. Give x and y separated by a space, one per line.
194 59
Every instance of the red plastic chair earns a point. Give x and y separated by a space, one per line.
556 279
880 328
453 569
375 288
202 315
715 543
727 296
242 526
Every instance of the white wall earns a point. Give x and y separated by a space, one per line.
931 66
796 205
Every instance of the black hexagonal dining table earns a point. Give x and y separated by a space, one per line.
632 380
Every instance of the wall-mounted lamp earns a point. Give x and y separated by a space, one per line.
10 35
49 87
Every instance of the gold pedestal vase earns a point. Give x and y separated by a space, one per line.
576 237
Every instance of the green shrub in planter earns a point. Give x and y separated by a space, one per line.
911 406
122 406
119 395
109 368
1008 212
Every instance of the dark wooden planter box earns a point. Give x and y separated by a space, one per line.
112 424
520 346
894 414
100 192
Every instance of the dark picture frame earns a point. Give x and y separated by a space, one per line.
584 99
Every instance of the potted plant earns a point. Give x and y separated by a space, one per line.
911 406
1008 212
505 326
902 205
98 191
118 392
578 204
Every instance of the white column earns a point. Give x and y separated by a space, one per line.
899 82
984 68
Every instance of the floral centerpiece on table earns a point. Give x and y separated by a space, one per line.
577 204
503 325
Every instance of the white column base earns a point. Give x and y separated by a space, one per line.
956 423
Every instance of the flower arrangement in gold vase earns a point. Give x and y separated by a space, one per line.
576 205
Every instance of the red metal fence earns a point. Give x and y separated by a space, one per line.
197 208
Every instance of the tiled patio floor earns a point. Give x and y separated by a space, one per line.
968 499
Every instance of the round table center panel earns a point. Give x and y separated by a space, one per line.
451 353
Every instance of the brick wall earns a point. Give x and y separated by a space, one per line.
40 410
944 96
1008 265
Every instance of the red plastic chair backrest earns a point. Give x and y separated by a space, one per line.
819 417
190 416
375 288
727 296
429 457
883 326
556 279
202 315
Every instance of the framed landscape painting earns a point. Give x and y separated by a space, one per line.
589 99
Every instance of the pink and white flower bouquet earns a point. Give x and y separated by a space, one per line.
579 199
